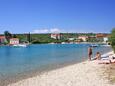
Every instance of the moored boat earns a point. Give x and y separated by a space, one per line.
94 45
20 45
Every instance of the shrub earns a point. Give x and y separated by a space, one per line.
112 39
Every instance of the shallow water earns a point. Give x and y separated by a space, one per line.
14 61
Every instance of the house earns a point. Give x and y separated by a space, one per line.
102 37
14 41
2 39
92 37
84 38
56 35
105 39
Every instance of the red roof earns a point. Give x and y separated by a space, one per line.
55 34
102 35
14 39
2 37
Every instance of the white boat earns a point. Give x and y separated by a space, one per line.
63 43
52 43
20 45
94 45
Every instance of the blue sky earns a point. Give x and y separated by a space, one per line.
39 16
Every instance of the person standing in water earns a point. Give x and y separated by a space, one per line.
89 53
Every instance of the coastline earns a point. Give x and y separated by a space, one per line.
85 73
29 74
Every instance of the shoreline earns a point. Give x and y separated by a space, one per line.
29 74
68 76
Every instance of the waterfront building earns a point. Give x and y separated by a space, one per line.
56 35
2 39
84 38
102 37
14 41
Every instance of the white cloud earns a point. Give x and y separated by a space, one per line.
41 31
53 30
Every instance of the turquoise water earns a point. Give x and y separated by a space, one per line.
14 60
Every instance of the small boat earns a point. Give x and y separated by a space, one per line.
20 45
52 43
63 43
94 45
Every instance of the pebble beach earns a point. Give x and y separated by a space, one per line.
86 73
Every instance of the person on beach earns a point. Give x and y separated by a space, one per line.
89 53
98 56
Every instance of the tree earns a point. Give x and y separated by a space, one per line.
112 39
14 36
29 37
8 35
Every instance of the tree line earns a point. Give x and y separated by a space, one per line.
45 38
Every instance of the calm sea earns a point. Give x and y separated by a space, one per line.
14 60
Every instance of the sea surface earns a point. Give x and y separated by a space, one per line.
17 60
